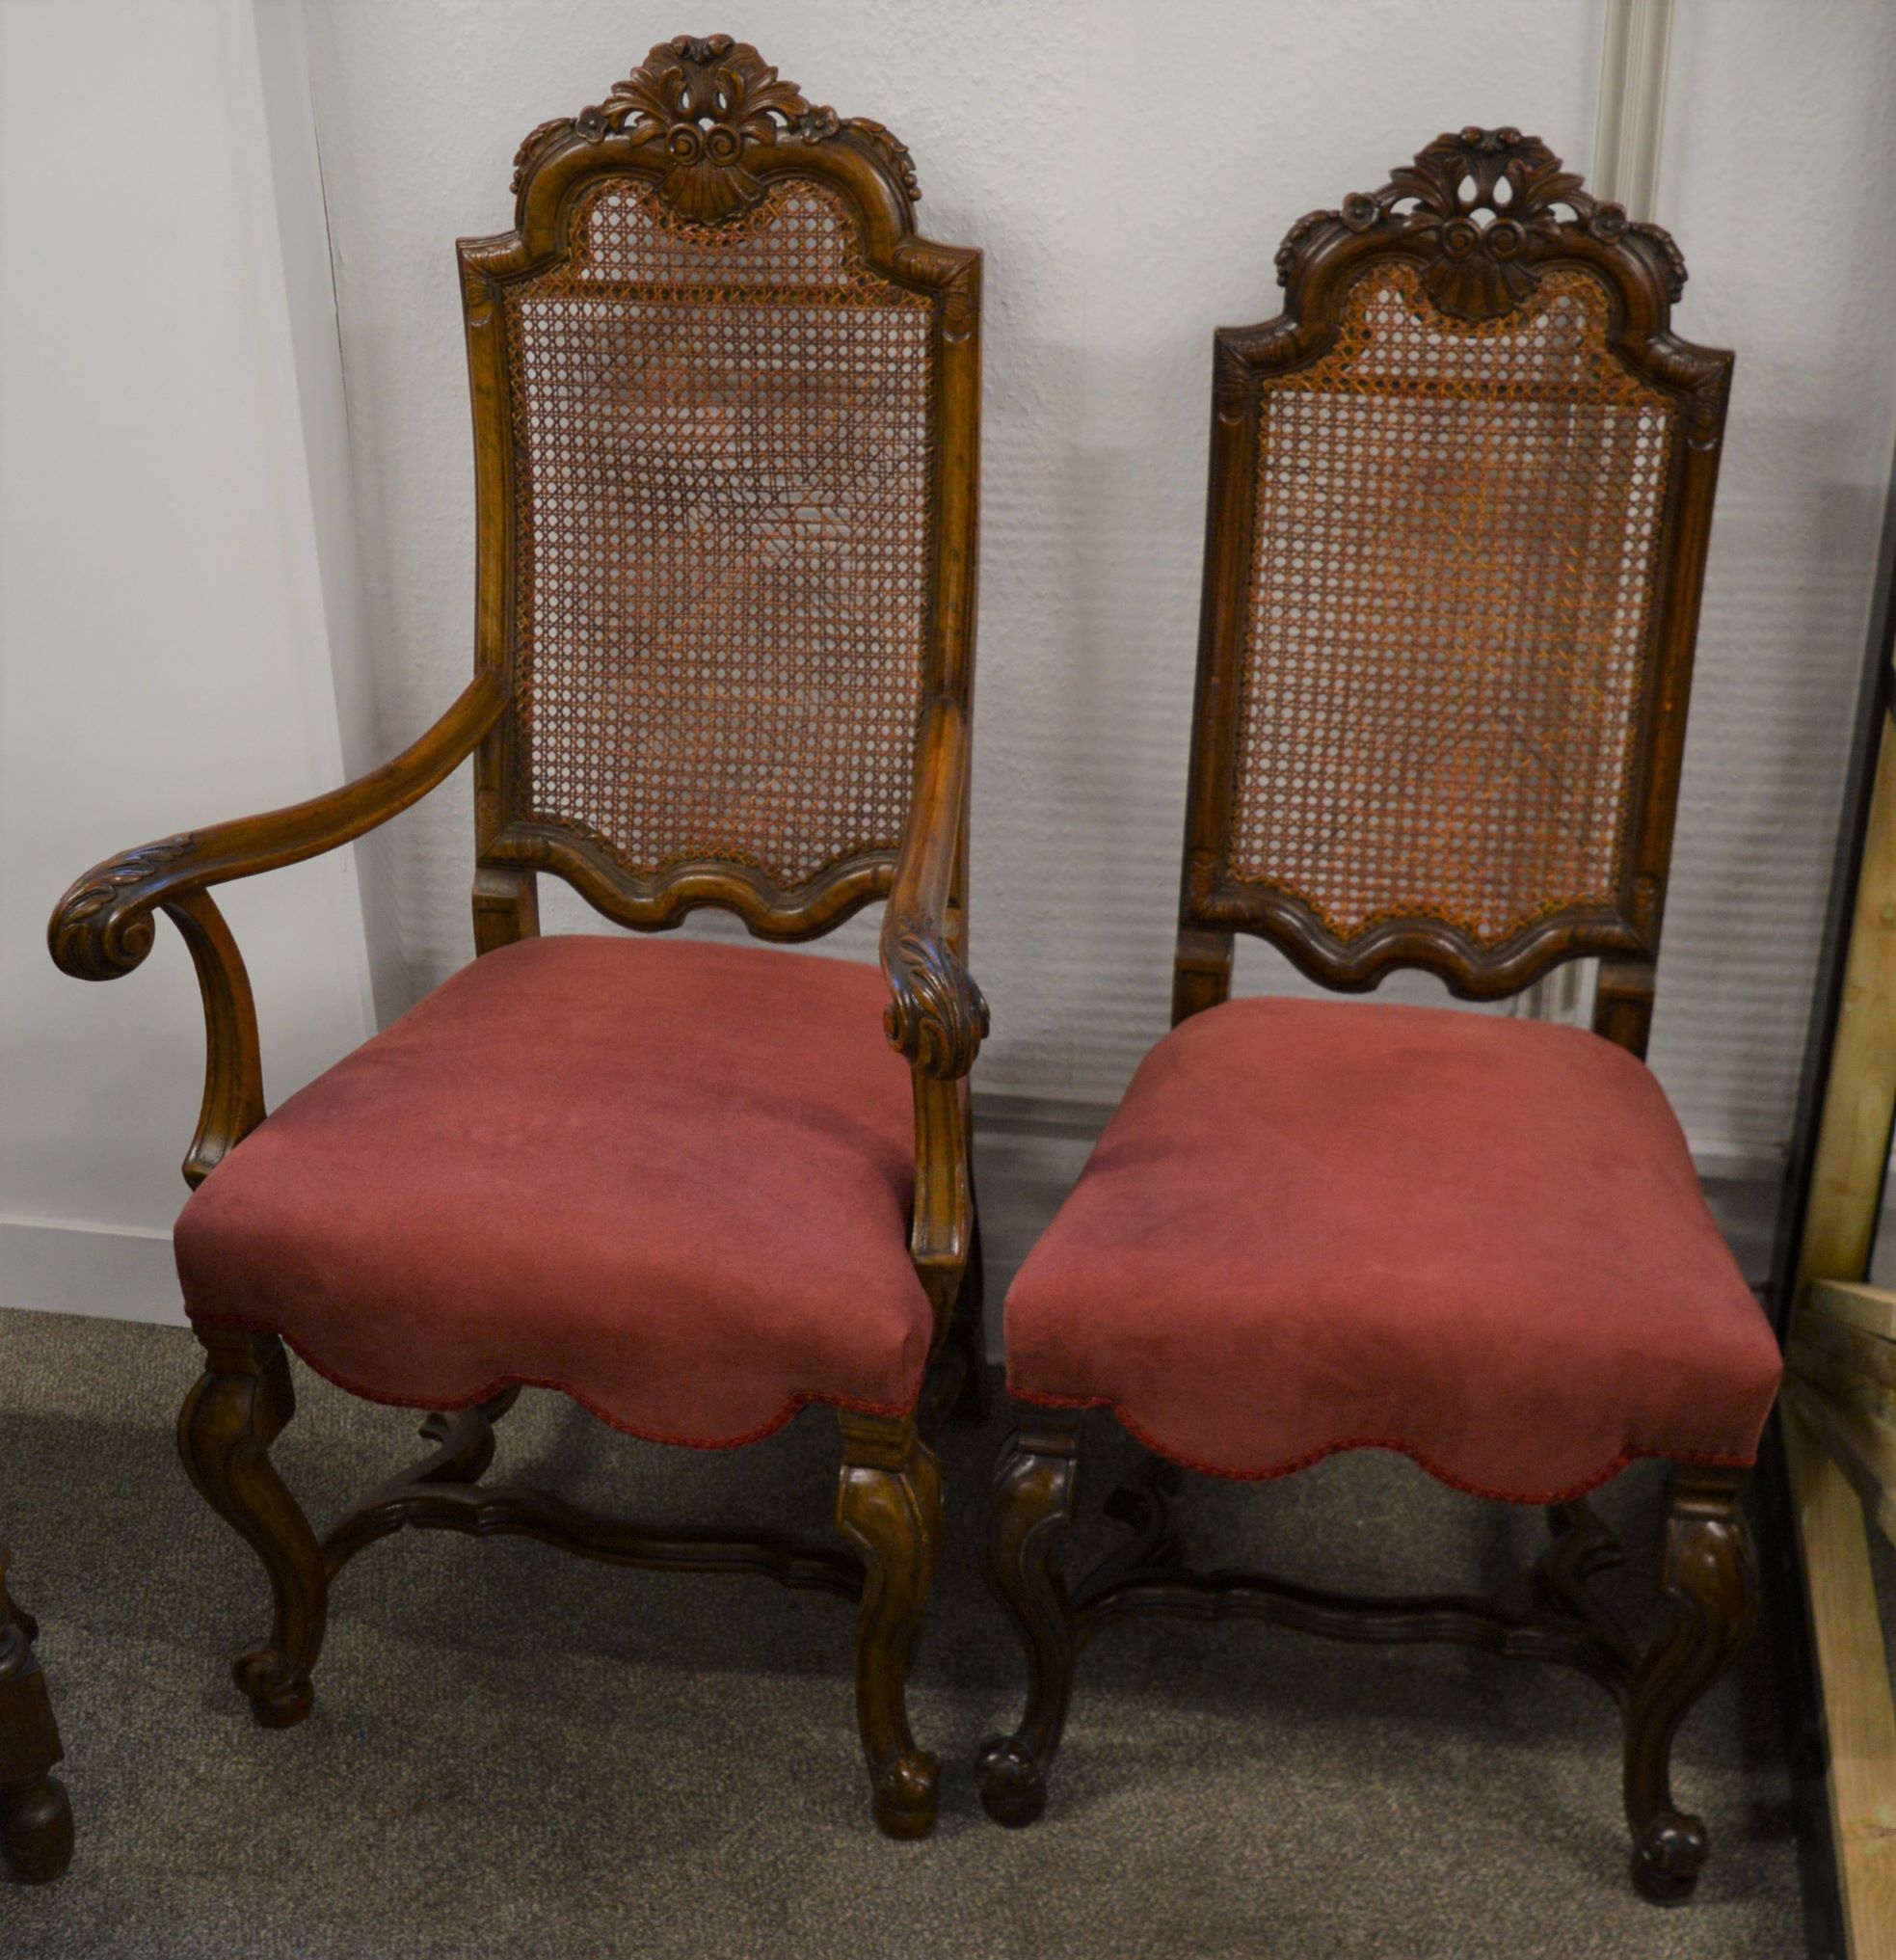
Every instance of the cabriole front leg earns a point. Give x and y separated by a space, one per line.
889 1505
1030 1508
1710 1585
237 1410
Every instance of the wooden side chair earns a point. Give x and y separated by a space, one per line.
36 1817
1461 493
726 405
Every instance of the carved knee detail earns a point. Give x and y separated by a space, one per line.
1710 1585
231 1418
889 1505
1031 1506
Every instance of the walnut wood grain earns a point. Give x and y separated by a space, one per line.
237 1410
102 926
712 132
443 1493
889 1505
1030 1508
1710 1590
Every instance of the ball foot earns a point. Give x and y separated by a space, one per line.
36 1829
279 1693
903 1799
1013 1789
1668 1858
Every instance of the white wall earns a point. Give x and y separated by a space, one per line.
166 660
1780 151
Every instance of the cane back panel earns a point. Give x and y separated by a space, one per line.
1454 568
720 429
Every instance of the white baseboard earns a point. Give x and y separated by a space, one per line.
102 1270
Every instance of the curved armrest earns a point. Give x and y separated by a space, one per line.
102 926
936 1015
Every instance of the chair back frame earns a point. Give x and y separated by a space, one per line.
708 129
1483 218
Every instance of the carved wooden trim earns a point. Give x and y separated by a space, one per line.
1711 1597
1031 1505
703 108
938 1017
443 1491
237 1410
1170 1591
1707 1580
889 1505
1476 269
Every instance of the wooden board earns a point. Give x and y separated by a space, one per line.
1860 1717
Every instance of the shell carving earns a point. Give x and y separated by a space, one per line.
709 103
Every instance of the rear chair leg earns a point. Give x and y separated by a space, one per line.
1030 1508
224 1430
889 1505
1710 1584
969 1330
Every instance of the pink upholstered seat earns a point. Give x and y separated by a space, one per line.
1319 1225
672 1179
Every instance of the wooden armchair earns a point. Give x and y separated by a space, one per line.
1460 493
726 411
35 1820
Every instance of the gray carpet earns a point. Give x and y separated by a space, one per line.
515 1753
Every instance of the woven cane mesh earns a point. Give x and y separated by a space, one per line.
723 473
1456 527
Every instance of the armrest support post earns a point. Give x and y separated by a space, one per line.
103 926
233 1103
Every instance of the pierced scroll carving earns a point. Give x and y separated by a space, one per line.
712 103
1485 204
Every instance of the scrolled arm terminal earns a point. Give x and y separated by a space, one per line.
936 1015
103 928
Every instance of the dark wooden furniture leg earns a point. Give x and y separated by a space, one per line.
1031 1506
1710 1583
35 1820
224 1430
889 1505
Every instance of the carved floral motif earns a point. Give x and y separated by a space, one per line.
710 103
1486 202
